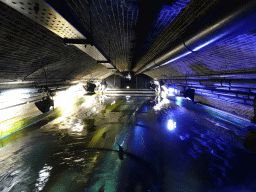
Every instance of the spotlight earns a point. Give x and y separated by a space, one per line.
89 88
45 104
129 76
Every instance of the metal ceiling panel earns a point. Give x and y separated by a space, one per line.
43 14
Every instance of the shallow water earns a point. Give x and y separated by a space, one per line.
167 147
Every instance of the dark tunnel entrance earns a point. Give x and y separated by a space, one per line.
128 81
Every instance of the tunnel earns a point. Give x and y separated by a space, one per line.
127 95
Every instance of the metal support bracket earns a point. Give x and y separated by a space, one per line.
78 41
106 64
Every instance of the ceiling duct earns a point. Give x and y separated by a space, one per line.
237 22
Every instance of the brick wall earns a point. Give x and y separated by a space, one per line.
245 111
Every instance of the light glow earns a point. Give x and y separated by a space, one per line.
164 88
14 96
171 124
127 97
8 114
10 98
44 175
156 82
164 93
165 101
77 127
129 77
209 42
157 108
171 91
161 104
66 99
102 99
176 58
179 100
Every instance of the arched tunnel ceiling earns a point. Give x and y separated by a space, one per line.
231 56
125 33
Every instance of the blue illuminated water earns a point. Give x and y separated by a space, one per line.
186 151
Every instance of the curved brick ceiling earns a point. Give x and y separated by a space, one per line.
28 49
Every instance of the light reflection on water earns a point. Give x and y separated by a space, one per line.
190 146
202 144
171 124
202 149
184 137
44 175
14 181
32 161
20 162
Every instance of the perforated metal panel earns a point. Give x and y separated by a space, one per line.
43 14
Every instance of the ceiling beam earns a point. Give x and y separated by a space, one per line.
63 9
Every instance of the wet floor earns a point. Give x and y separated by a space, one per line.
167 146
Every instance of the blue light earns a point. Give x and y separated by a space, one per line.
171 124
145 108
170 12
176 58
179 100
209 42
171 91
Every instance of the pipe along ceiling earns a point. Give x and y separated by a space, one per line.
237 22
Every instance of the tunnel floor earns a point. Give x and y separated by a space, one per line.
168 145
